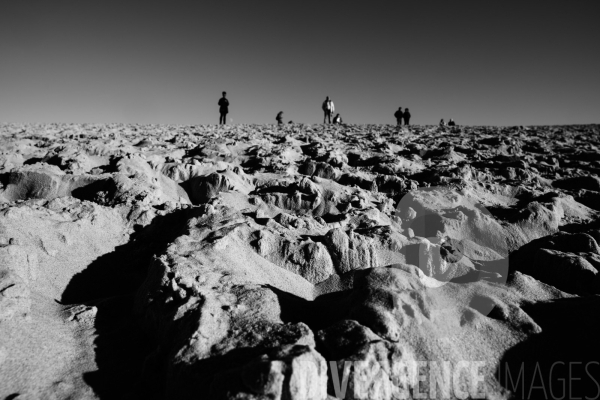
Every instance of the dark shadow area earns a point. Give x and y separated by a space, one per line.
428 176
333 218
252 165
563 361
121 349
329 308
144 143
260 221
349 179
110 283
5 179
452 250
122 271
98 191
33 160
218 374
373 231
578 228
317 314
502 213
54 160
589 199
294 309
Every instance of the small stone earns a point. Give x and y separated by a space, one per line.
410 214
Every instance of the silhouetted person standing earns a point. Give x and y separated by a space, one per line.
223 109
399 114
328 109
279 118
406 117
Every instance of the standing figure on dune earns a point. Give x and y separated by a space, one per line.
328 109
398 114
223 109
406 117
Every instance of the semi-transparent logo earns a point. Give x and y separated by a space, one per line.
453 237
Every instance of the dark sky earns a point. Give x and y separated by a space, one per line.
479 62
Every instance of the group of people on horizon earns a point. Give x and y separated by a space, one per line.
402 115
328 110
450 122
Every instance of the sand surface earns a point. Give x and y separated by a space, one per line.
239 262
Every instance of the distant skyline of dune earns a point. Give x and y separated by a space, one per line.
509 63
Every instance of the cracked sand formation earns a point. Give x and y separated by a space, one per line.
203 262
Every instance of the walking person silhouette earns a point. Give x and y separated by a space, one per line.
223 109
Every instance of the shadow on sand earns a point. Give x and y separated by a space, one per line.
563 361
110 283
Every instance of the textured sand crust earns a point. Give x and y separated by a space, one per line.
202 262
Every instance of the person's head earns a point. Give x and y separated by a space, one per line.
406 109
327 98
224 94
399 108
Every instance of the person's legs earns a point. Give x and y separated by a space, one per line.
223 118
328 113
